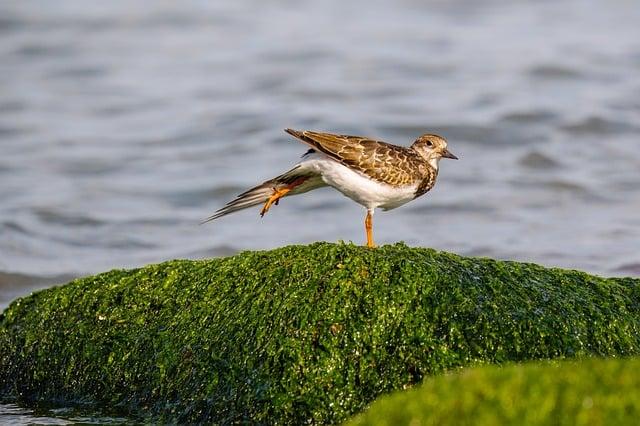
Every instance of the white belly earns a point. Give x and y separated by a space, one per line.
369 193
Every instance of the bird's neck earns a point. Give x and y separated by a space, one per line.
433 162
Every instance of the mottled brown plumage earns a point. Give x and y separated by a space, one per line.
380 161
372 173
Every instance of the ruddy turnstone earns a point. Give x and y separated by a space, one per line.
370 172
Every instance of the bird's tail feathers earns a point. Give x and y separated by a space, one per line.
257 195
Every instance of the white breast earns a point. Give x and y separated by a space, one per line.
367 192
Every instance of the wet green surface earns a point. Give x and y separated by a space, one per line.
589 392
301 333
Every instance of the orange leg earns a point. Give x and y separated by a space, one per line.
275 197
368 226
279 193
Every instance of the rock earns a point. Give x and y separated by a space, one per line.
591 391
300 334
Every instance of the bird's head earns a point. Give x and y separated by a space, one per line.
432 148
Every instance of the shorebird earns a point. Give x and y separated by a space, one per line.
370 172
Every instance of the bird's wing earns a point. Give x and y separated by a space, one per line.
303 179
383 162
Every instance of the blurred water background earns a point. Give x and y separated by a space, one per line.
124 124
14 415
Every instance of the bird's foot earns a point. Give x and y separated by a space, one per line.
274 199
279 193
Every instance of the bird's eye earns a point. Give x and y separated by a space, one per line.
429 144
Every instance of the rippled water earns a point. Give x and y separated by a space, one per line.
122 125
14 415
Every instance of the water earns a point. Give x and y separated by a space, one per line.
14 415
123 125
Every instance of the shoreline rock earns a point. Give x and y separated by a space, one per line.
299 334
593 391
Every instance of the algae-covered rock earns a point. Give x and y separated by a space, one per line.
590 392
299 334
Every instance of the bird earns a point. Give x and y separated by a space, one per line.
373 173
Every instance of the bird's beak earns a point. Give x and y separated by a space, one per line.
447 154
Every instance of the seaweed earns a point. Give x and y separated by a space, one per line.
587 392
299 334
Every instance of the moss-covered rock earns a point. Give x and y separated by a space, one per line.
590 392
302 333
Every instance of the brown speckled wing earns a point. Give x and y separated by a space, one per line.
383 162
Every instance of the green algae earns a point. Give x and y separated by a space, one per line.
589 392
299 334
